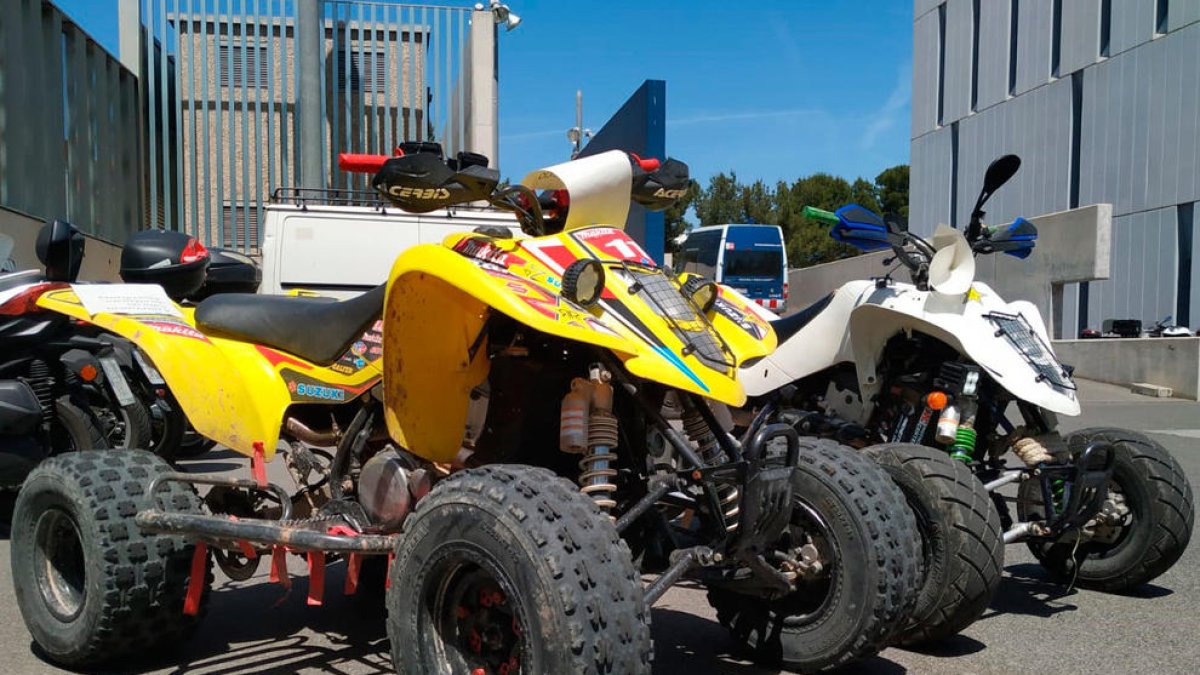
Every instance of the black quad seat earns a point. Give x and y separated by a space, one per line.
792 323
315 330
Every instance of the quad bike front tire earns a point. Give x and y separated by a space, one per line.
497 555
1156 491
869 536
90 585
961 539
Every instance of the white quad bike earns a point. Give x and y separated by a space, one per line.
925 377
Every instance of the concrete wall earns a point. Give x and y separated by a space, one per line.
1169 362
101 260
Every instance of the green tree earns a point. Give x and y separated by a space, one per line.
721 201
892 188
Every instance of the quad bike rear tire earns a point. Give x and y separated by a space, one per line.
90 585
1159 497
73 430
961 539
873 579
505 551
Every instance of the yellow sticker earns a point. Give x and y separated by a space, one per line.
974 295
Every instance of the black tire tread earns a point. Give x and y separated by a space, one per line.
84 433
975 543
1173 500
896 552
600 589
145 576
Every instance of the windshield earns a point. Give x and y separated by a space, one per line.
760 263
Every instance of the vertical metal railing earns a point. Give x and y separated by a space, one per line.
68 125
220 91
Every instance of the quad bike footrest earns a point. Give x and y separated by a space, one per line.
1085 484
294 535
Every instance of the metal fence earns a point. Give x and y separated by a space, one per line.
221 82
68 124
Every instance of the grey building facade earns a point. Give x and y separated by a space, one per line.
1101 99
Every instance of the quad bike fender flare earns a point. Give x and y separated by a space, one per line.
434 352
229 391
872 325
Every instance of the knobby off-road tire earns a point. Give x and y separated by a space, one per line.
1159 497
90 585
873 577
564 578
962 542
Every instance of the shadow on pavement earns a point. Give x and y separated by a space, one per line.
1029 590
955 645
258 627
699 645
8 500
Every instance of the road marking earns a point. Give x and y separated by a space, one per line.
1186 433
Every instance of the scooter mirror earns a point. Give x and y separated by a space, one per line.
999 171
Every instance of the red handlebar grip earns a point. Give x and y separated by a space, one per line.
361 163
648 165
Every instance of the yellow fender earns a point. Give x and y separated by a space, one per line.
229 391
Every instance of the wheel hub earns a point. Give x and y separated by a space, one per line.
480 622
59 565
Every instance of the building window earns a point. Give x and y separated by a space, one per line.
941 88
1105 26
367 70
1184 216
242 66
1056 39
975 56
1012 47
1160 16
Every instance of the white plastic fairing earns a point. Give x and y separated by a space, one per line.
599 187
953 266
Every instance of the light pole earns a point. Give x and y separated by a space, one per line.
577 134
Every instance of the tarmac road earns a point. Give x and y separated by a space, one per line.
1033 626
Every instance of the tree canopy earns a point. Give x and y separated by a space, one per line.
727 200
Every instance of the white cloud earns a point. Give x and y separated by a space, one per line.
889 115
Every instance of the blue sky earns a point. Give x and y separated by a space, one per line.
771 90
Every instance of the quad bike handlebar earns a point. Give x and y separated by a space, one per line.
418 180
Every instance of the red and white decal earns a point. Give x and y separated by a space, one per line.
173 328
550 253
613 243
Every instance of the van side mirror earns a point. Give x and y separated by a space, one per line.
60 248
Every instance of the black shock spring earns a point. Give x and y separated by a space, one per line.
41 382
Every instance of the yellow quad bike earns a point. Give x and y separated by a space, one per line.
539 414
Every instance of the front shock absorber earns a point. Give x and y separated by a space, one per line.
710 451
588 427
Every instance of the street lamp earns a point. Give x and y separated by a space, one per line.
502 14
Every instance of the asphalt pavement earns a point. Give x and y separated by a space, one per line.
1033 625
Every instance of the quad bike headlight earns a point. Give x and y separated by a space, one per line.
583 282
703 293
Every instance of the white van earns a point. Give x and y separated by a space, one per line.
751 259
342 251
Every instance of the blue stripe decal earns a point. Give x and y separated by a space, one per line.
678 363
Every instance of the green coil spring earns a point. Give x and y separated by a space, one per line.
1058 488
964 445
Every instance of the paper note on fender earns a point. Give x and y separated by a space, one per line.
138 299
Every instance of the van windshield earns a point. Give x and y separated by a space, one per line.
754 263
